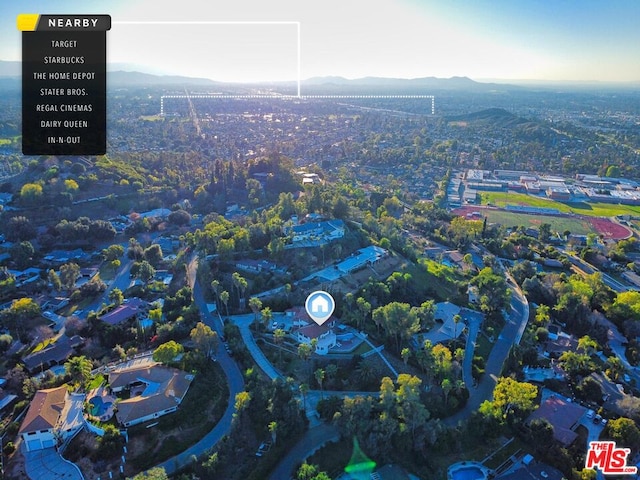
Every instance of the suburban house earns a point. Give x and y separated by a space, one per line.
319 231
532 470
305 330
54 416
324 335
154 391
124 312
563 416
256 266
562 342
55 353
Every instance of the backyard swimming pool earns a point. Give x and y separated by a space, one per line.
470 471
98 406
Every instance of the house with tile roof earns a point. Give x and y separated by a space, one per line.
564 416
54 416
306 330
154 391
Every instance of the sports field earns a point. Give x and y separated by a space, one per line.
502 199
578 225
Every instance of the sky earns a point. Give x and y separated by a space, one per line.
251 40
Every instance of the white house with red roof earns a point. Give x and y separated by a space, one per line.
305 330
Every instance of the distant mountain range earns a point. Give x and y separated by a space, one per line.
138 75
429 82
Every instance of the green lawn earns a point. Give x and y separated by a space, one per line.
502 199
558 224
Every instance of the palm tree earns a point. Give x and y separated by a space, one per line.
304 389
447 386
267 315
224 298
255 304
278 338
215 284
319 374
405 354
80 370
273 429
456 320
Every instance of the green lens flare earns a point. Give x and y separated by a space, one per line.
360 466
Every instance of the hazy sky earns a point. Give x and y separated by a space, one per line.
508 39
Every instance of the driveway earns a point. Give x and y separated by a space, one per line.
49 464
244 322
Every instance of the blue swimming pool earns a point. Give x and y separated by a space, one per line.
470 472
99 407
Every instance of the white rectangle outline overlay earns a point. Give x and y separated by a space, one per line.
299 56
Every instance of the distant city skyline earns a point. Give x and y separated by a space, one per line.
562 40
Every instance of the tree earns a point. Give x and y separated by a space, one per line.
19 229
153 254
179 217
310 472
304 389
255 304
273 430
319 376
492 289
278 338
167 352
410 408
457 318
267 315
587 345
113 252
544 232
20 311
615 368
510 396
156 473
79 368
364 308
625 432
30 193
446 386
405 354
241 404
54 280
69 274
205 339
143 270
224 298
22 253
116 296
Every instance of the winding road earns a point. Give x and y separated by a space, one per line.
231 370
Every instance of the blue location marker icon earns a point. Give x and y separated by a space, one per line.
320 306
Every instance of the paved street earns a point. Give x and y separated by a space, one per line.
235 383
312 440
510 334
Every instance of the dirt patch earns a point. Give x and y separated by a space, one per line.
14 464
81 451
609 229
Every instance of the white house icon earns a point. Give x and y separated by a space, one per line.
320 305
